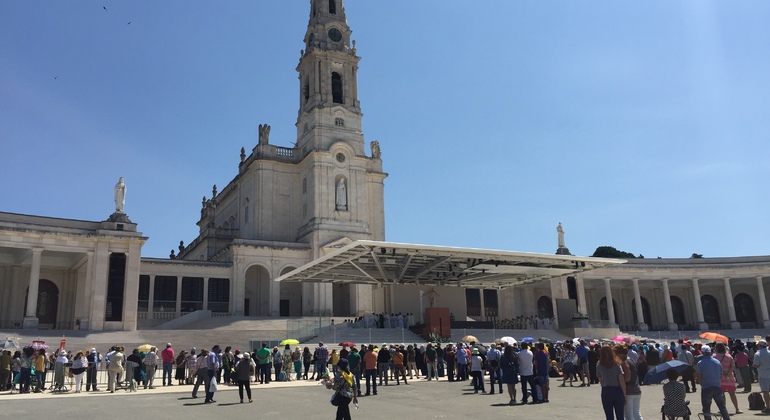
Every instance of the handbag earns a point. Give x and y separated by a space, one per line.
336 399
213 386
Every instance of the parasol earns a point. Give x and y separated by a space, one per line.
38 345
712 336
658 374
289 341
545 340
347 344
470 338
10 344
145 348
509 340
528 339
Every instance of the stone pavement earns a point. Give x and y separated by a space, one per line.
308 400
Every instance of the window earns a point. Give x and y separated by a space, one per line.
337 96
116 282
339 122
473 302
306 89
332 7
219 295
164 299
304 185
192 294
246 215
144 293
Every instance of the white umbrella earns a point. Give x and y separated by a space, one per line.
10 344
509 340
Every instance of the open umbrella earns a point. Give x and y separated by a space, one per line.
145 348
544 340
39 345
528 339
482 350
10 344
509 340
347 344
289 341
658 374
470 338
712 336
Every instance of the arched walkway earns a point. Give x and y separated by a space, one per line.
645 312
710 309
291 296
677 309
604 314
257 292
544 307
744 308
47 303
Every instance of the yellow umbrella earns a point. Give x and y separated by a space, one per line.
145 348
289 341
470 338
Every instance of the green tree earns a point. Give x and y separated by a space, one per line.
611 252
696 255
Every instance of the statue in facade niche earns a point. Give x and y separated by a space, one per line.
120 196
342 195
264 134
375 145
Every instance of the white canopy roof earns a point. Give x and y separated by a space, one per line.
374 262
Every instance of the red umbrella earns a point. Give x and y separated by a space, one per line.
712 336
347 344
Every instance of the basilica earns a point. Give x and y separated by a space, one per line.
300 231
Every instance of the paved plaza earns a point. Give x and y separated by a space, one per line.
308 400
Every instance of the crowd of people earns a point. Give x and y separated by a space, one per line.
523 369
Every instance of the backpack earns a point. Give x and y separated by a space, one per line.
756 402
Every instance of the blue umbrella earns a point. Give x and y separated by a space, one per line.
530 339
658 374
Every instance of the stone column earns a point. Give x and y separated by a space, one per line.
130 308
763 302
581 301
639 311
151 299
85 313
205 293
30 318
669 312
178 308
100 278
734 324
699 306
610 305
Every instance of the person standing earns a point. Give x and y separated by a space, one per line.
397 357
296 359
212 365
277 363
431 360
370 364
762 365
5 370
509 365
462 362
613 383
476 373
79 367
181 367
728 373
322 357
493 363
150 363
192 361
688 377
582 363
115 368
307 358
542 364
411 361
449 356
93 361
264 358
355 366
527 372
40 362
709 373
167 357
632 410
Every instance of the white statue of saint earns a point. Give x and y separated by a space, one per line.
120 196
560 231
342 195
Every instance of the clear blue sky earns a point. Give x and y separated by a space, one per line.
640 125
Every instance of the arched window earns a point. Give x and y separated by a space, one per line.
677 309
645 311
710 309
544 307
337 96
306 89
744 308
332 7
604 314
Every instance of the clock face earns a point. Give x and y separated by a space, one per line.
335 34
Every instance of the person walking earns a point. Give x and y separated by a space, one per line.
201 372
709 373
244 369
728 374
212 365
613 383
345 391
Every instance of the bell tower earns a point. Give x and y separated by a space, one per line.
329 110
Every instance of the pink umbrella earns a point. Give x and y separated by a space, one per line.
624 339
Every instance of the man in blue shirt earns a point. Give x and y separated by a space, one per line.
582 354
212 365
542 364
493 362
709 374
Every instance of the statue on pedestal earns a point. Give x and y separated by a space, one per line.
560 231
342 195
120 196
376 153
264 134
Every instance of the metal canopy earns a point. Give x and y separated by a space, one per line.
373 262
